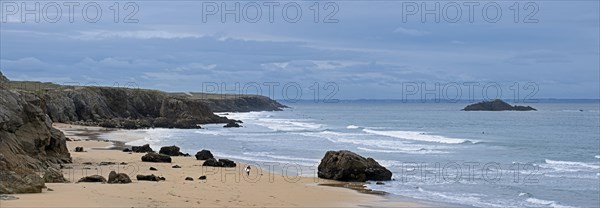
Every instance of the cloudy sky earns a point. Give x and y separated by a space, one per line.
356 49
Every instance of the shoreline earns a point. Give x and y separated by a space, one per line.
229 189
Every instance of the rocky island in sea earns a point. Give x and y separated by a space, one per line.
496 105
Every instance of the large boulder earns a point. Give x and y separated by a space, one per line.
53 175
93 179
170 150
349 166
204 155
142 149
154 157
115 177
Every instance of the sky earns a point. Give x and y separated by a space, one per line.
310 49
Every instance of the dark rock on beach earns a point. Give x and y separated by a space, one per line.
176 166
115 177
78 149
142 149
106 163
226 163
154 157
496 105
202 178
204 155
93 179
54 176
212 162
349 166
149 178
189 179
153 168
170 150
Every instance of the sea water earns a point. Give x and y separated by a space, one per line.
544 158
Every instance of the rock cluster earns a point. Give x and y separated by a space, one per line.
225 163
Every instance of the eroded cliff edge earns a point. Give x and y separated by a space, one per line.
28 142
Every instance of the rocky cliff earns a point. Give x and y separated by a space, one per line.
28 142
126 108
136 108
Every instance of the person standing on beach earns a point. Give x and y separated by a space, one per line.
248 170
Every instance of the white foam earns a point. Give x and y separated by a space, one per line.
524 194
375 145
352 127
568 166
597 156
259 159
472 199
418 136
281 157
410 151
208 132
549 203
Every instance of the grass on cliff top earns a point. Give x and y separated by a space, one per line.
43 87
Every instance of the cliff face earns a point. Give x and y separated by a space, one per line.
127 108
28 143
134 108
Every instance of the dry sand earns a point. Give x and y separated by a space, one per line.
223 187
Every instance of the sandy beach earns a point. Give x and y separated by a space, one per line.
223 187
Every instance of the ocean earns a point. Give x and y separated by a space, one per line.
437 153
